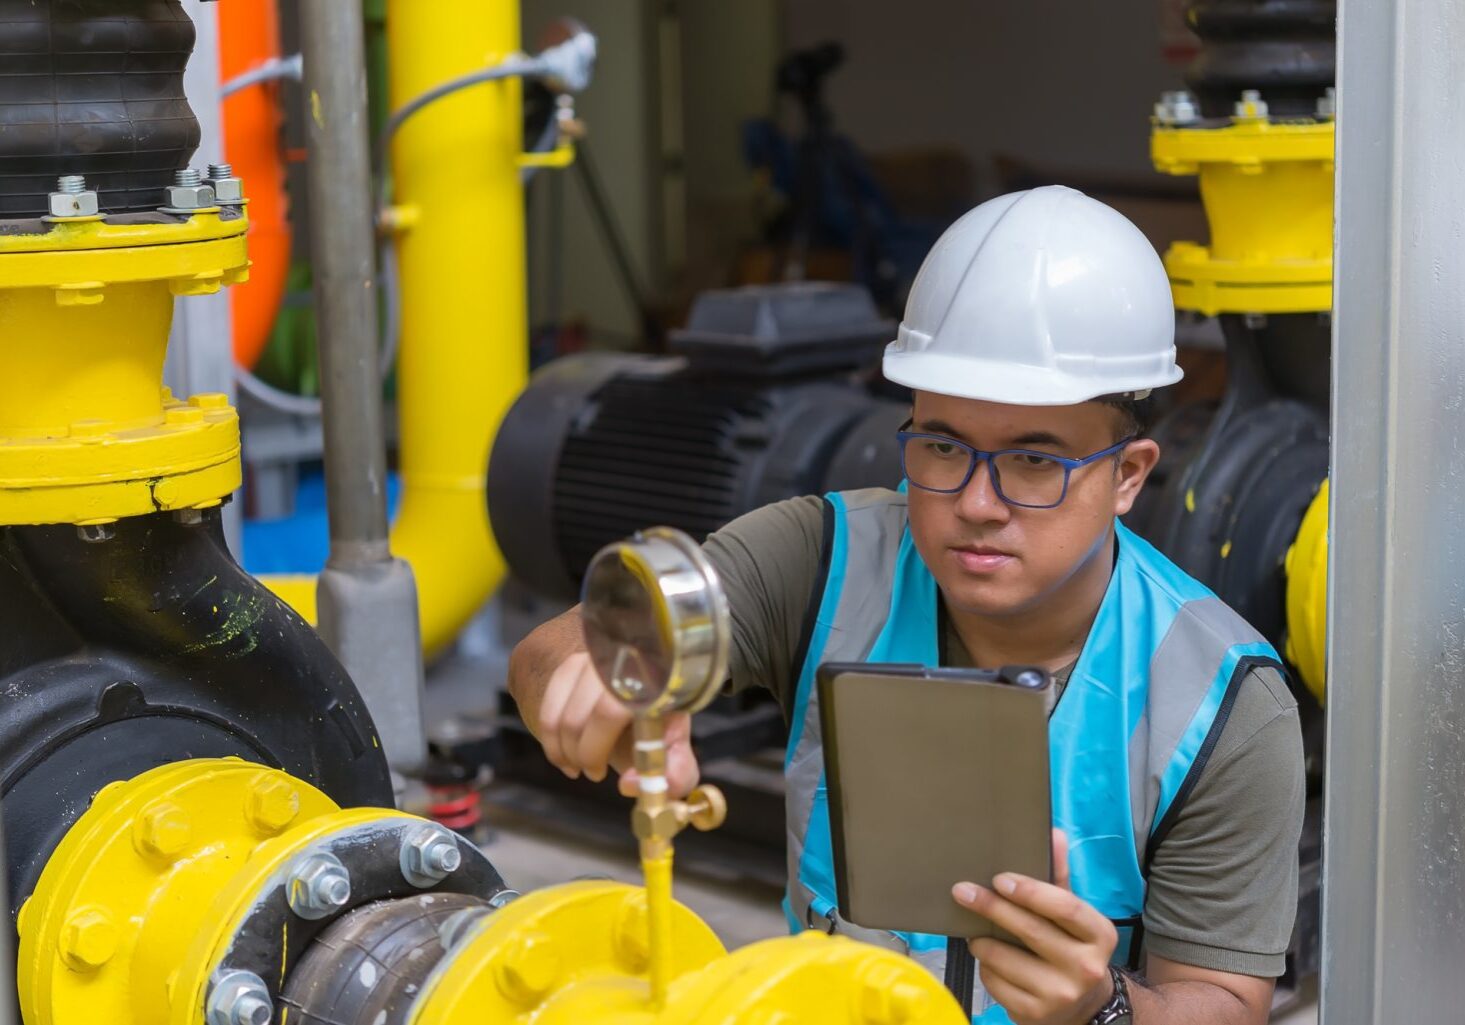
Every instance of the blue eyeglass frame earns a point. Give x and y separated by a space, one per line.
976 455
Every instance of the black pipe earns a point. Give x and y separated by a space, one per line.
147 648
93 87
1285 49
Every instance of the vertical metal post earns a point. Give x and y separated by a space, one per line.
1394 833
367 600
200 353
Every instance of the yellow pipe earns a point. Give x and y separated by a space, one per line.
464 350
465 354
657 872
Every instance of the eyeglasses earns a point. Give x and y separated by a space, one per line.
1031 480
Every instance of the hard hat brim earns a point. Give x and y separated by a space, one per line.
965 377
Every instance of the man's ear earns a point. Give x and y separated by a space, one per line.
1135 463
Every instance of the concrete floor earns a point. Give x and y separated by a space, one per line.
530 855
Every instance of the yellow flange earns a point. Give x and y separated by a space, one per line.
88 434
813 979
574 953
1307 596
1267 188
113 930
580 953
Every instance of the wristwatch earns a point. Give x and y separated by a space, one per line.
1117 1011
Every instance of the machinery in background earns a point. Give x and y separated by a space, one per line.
762 399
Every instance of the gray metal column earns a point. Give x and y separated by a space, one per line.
200 349
367 599
1394 835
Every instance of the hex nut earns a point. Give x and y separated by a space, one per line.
318 885
529 969
632 932
239 998
272 803
228 190
73 204
190 197
162 830
885 998
429 855
88 940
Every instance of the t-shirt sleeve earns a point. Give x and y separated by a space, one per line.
769 561
1223 882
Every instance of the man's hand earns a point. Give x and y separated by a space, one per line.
1065 980
586 730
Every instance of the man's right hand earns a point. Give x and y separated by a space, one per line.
586 730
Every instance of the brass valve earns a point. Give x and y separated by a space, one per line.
704 809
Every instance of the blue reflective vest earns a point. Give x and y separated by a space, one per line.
1124 754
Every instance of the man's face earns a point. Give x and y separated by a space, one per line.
994 559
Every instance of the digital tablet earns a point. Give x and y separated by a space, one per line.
935 776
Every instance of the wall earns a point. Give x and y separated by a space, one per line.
1061 83
620 111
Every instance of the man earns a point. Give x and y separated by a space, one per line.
1033 335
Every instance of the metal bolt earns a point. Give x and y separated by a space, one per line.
72 198
188 517
318 885
1251 105
228 189
1176 108
529 968
1029 678
95 533
162 830
429 855
1327 103
239 998
189 191
88 940
1255 321
272 803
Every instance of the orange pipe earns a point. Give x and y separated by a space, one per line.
249 35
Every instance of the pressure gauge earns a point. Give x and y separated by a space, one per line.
656 622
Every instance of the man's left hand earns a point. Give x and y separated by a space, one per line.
1065 979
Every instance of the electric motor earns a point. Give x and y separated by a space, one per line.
762 400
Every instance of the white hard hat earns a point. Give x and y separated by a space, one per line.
1038 298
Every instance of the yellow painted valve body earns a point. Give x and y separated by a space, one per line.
1267 188
139 884
88 433
138 906
1307 596
581 953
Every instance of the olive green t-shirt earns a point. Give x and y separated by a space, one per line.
1223 883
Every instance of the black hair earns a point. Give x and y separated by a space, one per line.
1134 415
